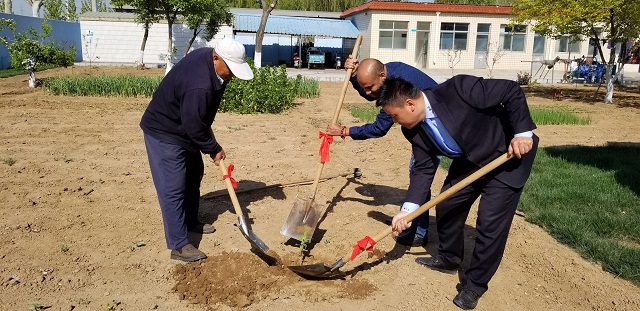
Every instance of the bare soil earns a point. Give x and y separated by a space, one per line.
80 226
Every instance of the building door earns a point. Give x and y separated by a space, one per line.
482 46
422 44
538 54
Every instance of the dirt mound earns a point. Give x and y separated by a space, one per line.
241 279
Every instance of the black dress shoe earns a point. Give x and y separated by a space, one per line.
411 243
466 299
435 264
199 227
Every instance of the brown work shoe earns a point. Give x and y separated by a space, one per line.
188 253
199 227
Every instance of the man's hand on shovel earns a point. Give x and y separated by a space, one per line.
398 224
218 156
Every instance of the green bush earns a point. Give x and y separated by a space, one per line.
122 86
270 91
31 44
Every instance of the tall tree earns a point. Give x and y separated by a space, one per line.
146 13
35 6
55 9
310 5
87 6
6 6
211 12
72 11
170 9
267 7
617 21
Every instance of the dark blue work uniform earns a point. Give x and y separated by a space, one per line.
177 128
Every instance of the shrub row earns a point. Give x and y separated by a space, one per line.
122 86
270 91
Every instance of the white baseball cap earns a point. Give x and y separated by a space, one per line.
232 52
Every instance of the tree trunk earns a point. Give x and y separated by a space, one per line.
169 49
608 98
35 8
140 61
32 78
7 6
266 10
193 38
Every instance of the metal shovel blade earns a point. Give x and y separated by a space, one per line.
319 270
303 220
257 246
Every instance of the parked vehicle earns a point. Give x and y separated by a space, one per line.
315 58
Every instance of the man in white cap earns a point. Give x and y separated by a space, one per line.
177 129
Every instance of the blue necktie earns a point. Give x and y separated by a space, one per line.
441 136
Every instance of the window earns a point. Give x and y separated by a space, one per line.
568 43
453 36
482 38
512 37
538 43
393 35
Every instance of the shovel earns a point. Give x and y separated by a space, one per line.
323 271
257 246
305 214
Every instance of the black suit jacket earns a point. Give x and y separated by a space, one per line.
482 116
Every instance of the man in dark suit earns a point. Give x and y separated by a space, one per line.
473 121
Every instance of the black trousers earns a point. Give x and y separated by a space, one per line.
498 203
177 173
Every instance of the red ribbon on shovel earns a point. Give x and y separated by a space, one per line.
233 181
360 246
324 146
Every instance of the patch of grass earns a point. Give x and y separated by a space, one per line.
548 116
306 87
365 113
64 248
12 72
9 161
588 198
445 163
118 86
541 116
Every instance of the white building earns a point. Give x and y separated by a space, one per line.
425 35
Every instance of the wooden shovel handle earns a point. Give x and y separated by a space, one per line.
442 196
232 193
343 92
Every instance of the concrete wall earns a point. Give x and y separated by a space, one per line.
63 33
119 41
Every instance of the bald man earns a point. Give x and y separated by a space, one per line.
367 78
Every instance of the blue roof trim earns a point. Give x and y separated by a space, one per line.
293 25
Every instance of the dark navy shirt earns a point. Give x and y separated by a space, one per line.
185 104
383 121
